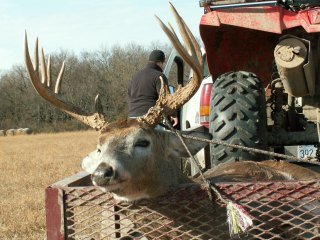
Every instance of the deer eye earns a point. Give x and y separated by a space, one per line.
142 143
99 150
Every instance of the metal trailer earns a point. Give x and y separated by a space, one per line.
280 210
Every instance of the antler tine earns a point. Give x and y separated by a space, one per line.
185 32
59 79
46 76
36 57
95 120
167 104
178 46
191 39
196 45
49 75
97 105
173 32
43 69
192 42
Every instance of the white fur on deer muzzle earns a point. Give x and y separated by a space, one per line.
91 161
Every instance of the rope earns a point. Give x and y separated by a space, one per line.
237 217
293 158
209 185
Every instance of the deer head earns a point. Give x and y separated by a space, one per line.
132 159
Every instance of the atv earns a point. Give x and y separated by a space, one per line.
263 57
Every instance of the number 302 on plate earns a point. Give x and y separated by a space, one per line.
307 151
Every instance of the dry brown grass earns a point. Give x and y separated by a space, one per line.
28 165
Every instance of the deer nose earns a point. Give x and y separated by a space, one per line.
103 174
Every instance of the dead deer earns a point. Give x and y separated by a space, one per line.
132 159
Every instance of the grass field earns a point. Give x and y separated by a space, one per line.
28 165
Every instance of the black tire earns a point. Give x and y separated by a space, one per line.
237 116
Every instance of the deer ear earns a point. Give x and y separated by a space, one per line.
178 150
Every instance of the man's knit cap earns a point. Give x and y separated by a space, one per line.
157 56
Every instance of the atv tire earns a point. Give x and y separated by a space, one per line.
237 116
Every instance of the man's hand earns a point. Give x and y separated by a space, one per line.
174 121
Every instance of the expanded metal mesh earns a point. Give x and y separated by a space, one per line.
280 210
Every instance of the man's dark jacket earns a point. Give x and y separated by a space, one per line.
143 91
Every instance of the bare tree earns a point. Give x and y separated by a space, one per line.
106 71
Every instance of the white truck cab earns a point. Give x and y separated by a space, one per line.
195 113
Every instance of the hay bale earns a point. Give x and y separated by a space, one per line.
28 130
19 131
23 131
11 132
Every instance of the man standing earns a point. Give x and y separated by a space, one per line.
143 91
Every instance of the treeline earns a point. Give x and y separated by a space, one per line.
106 72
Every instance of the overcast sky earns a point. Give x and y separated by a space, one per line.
79 25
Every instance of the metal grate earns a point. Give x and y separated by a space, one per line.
281 210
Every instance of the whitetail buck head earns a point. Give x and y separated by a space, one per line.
132 160
135 162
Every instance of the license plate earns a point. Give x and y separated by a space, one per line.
307 151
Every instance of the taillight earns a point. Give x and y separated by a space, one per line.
205 104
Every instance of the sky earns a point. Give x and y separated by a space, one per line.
86 25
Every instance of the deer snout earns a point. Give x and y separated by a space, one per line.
103 174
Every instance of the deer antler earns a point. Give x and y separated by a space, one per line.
167 104
95 120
